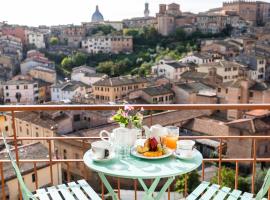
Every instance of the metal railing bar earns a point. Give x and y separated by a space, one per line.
7 108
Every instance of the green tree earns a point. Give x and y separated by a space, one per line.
107 67
67 63
79 59
54 41
180 34
104 29
193 180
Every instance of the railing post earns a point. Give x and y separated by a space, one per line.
219 162
16 148
254 165
3 182
102 190
169 192
84 166
118 187
36 175
68 173
203 170
50 157
135 189
236 175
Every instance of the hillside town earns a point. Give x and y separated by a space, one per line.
220 56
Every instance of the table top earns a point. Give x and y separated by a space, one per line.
134 168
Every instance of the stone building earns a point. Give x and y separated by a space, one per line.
256 66
42 175
20 92
16 31
194 92
161 94
215 23
226 69
36 38
242 91
113 89
216 126
44 74
68 91
255 12
166 18
171 69
72 35
224 48
108 44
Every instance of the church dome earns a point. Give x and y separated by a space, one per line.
97 16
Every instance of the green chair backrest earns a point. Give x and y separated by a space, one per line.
265 187
27 195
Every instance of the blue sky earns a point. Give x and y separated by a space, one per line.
53 12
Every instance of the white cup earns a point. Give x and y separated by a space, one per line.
185 148
101 149
185 144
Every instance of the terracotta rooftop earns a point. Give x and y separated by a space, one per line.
156 91
258 113
32 151
164 119
119 81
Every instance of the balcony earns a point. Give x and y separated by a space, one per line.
46 158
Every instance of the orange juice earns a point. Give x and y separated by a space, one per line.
170 142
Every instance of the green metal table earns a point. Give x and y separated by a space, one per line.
141 169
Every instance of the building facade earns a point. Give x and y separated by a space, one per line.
171 69
20 92
36 38
108 44
113 89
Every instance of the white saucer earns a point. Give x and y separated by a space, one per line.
182 157
93 157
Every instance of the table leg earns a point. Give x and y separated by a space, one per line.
108 186
149 192
165 187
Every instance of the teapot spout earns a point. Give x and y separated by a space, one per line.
147 131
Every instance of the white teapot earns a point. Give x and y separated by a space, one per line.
156 131
120 136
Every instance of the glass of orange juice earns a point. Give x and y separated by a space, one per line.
171 139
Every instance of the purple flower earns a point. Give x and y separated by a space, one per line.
128 107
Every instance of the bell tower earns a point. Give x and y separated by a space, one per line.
146 10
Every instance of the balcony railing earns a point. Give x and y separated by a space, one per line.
52 159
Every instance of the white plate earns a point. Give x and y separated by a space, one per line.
194 151
138 155
93 157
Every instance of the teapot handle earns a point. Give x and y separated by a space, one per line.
146 131
102 137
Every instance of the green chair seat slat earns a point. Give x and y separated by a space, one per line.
75 188
53 192
247 196
65 192
198 191
223 192
89 191
210 192
42 194
235 194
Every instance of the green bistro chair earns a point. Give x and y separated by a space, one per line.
206 191
72 191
